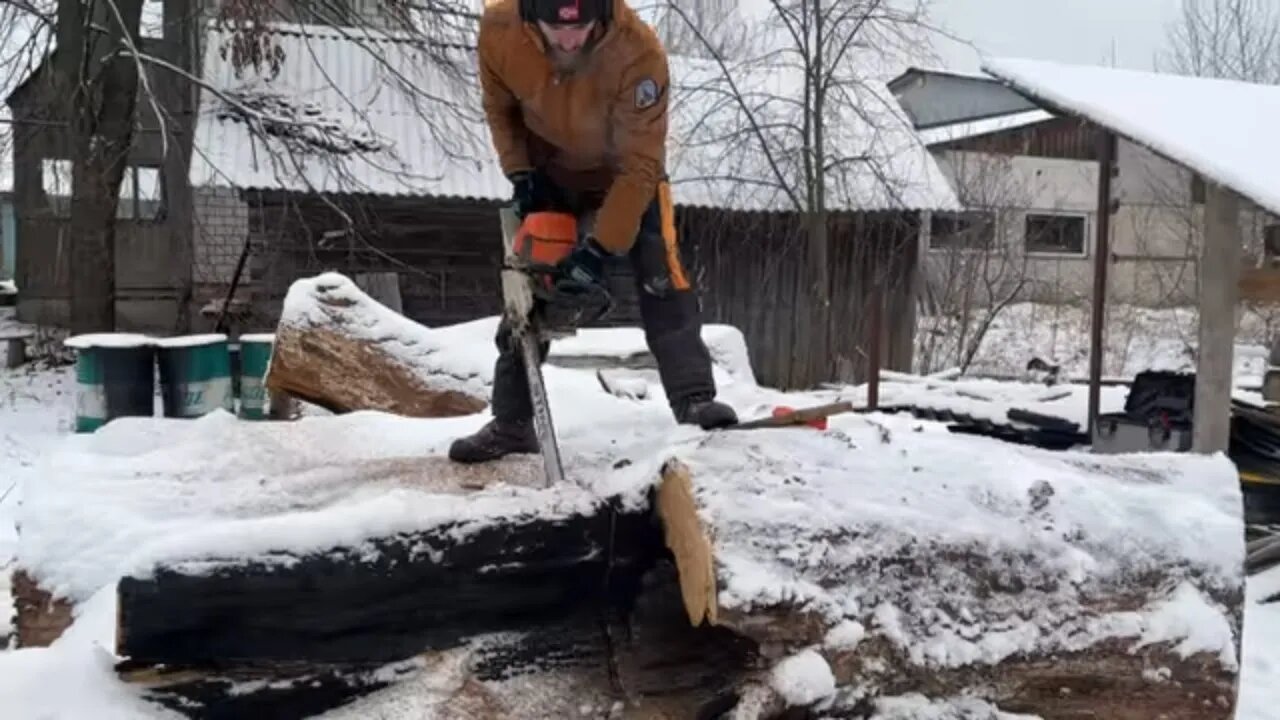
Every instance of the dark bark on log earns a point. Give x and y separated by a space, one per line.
413 593
640 653
265 692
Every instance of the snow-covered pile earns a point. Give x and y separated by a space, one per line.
992 399
1041 531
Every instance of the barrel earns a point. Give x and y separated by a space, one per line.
115 377
255 356
195 375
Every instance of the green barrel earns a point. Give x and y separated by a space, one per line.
115 377
195 375
255 356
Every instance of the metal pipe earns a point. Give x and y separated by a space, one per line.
1101 254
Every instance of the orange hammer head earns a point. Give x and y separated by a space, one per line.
782 411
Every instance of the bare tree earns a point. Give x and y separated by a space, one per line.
99 82
804 120
720 30
1234 39
976 263
104 74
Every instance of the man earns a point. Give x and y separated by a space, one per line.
575 93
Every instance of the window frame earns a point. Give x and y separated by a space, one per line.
1085 226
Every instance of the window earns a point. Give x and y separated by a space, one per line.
1271 244
961 231
1055 234
152 25
140 194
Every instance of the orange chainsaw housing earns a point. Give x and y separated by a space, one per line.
546 238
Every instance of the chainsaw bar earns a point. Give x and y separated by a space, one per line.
518 308
542 424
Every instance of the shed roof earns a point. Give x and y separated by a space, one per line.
976 128
1222 129
355 111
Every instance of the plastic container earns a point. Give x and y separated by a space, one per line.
195 375
115 377
255 357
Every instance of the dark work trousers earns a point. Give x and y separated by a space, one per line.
668 311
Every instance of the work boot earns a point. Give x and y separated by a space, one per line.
704 412
494 440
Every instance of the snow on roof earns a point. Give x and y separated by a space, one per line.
974 128
1222 129
377 116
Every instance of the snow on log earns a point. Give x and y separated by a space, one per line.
1062 585
338 348
625 348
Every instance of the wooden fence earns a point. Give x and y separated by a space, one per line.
748 266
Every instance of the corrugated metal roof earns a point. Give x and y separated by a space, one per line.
357 112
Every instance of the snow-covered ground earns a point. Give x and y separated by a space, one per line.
36 408
1136 339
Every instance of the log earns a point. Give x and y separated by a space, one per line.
633 662
390 598
338 348
950 588
40 618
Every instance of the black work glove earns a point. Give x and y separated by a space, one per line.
583 268
524 191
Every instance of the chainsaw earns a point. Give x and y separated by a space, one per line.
538 308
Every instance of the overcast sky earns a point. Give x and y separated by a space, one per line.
1077 31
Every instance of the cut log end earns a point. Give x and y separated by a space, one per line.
688 542
344 374
40 618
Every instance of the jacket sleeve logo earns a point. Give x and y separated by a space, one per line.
646 93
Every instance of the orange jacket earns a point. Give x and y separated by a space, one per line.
601 129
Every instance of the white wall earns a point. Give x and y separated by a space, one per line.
1154 233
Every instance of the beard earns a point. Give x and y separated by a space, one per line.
567 61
